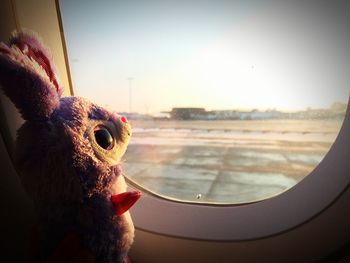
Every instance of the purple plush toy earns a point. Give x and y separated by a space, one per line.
68 155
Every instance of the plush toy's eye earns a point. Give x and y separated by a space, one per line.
103 137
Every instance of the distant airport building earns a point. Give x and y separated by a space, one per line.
337 110
187 113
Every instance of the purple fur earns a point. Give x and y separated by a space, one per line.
35 103
38 96
68 176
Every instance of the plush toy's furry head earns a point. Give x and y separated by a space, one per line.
68 153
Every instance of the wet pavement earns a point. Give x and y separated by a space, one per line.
226 161
217 174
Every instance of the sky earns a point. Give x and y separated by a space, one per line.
150 56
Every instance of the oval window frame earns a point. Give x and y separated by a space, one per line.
251 221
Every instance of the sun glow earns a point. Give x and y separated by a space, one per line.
228 74
225 55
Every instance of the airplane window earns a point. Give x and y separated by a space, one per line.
230 102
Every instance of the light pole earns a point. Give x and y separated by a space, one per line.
130 79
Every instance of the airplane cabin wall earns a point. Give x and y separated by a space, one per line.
325 235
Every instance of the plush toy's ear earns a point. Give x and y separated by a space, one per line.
28 76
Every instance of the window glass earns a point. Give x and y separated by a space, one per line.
230 101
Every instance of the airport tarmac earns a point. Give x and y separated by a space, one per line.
222 167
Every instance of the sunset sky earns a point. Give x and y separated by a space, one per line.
212 54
